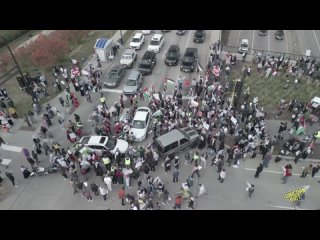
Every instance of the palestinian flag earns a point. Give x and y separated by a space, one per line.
170 82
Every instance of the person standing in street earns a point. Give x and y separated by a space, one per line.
315 170
259 170
222 175
196 169
95 188
107 180
167 165
11 178
202 190
250 189
178 202
121 195
103 192
191 203
287 172
306 170
266 160
175 175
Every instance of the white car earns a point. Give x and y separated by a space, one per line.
137 41
146 32
244 46
156 43
128 58
140 123
100 143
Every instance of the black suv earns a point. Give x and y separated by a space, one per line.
279 35
189 60
173 55
199 36
147 63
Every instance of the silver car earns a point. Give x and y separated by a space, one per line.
133 83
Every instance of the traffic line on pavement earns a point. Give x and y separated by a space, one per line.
252 39
295 174
11 148
111 90
285 207
316 39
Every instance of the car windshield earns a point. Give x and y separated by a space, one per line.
154 42
138 124
126 56
111 143
244 45
144 65
198 34
171 55
135 40
113 74
131 82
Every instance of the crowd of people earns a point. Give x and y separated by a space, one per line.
210 110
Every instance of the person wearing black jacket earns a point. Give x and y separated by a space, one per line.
259 170
95 188
167 164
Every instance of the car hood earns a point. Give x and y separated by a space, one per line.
122 145
125 61
111 80
153 47
138 133
130 89
135 44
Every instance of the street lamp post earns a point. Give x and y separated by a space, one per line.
121 37
11 53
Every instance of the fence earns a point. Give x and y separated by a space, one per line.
254 52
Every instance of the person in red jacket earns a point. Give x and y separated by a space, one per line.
117 128
121 195
178 202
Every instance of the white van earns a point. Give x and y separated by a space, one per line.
244 46
137 41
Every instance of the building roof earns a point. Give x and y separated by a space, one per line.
102 43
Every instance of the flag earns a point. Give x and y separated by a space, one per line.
146 95
296 195
200 68
170 82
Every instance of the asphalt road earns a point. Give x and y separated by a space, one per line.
295 42
52 192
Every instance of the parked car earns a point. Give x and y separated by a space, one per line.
146 32
279 35
128 57
140 123
244 46
137 41
199 36
103 143
114 76
173 55
189 60
147 63
133 83
180 32
262 32
156 43
176 140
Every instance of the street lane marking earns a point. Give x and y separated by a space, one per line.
111 90
269 40
296 174
302 53
286 37
316 39
252 40
284 207
11 148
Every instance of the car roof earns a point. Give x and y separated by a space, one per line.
97 140
148 54
129 51
138 35
170 137
244 41
134 75
157 36
173 47
117 67
140 116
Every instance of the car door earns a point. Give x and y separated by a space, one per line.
183 143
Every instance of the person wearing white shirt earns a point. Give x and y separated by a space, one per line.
222 175
107 180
